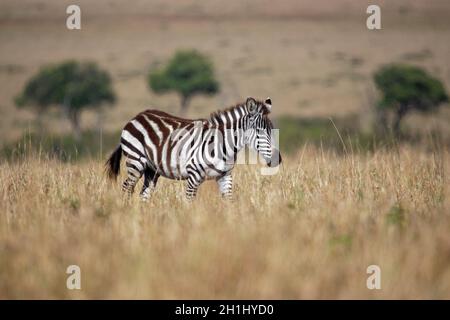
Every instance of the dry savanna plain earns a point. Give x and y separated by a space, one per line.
309 231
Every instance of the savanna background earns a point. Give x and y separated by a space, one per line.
345 197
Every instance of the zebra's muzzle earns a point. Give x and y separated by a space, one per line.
275 160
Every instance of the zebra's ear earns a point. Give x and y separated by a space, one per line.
268 103
251 105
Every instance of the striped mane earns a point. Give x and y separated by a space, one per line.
216 116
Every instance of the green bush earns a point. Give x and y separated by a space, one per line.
70 85
188 73
405 88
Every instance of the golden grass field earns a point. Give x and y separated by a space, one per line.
309 231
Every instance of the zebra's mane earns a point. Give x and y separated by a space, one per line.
217 115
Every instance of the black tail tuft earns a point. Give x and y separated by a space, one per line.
113 163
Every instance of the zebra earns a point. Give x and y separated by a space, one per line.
157 144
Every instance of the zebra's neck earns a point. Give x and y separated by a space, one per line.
232 122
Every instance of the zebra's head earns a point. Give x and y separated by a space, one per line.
259 131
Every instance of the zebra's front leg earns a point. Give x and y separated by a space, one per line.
226 186
193 182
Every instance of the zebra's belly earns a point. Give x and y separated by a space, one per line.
175 168
178 170
218 168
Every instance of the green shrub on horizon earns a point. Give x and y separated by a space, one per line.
188 73
72 86
405 88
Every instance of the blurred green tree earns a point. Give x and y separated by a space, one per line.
187 73
405 88
71 85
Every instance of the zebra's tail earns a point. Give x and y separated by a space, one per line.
113 163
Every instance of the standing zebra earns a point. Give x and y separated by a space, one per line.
158 144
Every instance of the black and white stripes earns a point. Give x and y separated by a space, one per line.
158 144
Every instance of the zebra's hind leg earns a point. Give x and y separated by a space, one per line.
150 180
135 170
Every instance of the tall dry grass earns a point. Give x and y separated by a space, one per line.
308 232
